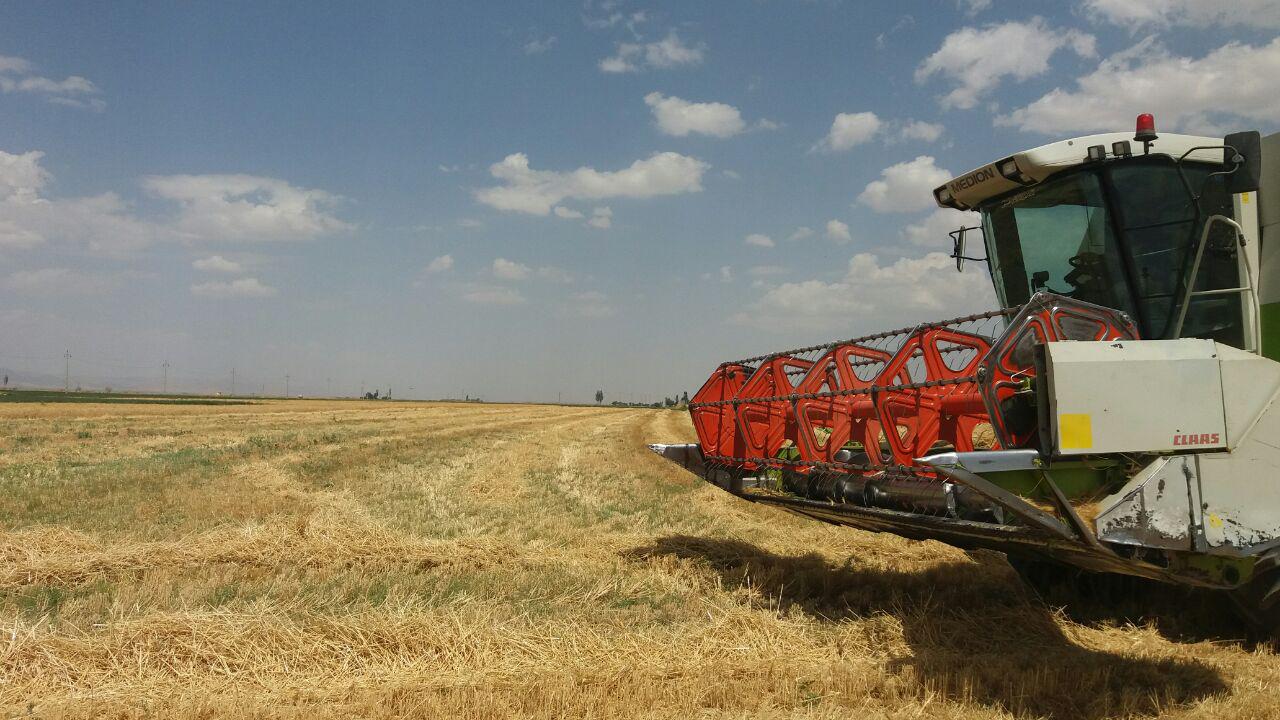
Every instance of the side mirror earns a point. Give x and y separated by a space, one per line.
958 244
1243 160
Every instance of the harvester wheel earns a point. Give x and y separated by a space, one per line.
1258 600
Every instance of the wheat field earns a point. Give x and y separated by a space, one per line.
375 559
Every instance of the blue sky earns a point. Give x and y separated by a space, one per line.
531 201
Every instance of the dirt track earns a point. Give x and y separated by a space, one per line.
374 559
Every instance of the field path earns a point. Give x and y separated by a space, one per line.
367 559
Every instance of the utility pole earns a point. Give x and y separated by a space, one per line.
165 365
286 384
66 377
233 381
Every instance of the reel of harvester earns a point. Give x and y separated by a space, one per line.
849 421
851 432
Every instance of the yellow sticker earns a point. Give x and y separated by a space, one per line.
1215 521
1244 198
1075 431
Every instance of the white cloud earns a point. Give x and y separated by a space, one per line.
759 240
800 233
17 76
102 223
601 218
920 130
731 174
671 52
210 207
440 264
245 207
592 304
838 231
973 7
679 117
612 18
766 270
726 273
492 295
217 263
57 281
14 236
241 288
470 224
554 274
9 64
504 269
663 54
1190 13
977 60
905 291
1192 94
539 45
848 130
21 177
904 22
931 232
905 187
537 191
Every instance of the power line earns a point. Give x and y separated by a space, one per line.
165 365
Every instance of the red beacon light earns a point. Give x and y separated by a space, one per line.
1145 130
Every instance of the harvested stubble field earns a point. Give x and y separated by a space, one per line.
341 559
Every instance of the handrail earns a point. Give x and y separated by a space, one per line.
1190 291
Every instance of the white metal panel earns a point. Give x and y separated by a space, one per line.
1241 489
1154 508
1135 396
1248 384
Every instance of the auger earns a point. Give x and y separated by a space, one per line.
1118 415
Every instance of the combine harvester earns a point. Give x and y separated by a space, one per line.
1118 416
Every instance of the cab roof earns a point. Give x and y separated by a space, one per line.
1033 166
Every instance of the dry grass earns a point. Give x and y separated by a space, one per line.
311 559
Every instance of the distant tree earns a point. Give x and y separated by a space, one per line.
684 397
668 402
599 396
6 381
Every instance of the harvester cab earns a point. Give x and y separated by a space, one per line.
1117 415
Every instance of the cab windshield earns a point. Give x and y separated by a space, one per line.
1123 236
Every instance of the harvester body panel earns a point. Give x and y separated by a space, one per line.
1150 396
